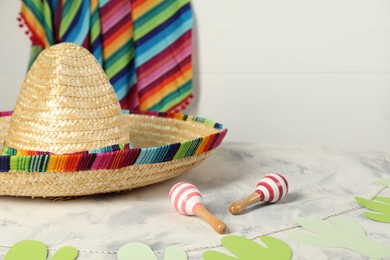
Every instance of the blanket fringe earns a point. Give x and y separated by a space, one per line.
182 105
28 30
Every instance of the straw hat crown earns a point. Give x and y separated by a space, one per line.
66 105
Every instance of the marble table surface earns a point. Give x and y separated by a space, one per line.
323 183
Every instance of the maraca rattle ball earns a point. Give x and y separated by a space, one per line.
271 188
187 199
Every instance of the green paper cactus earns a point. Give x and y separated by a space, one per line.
246 249
32 249
380 207
339 232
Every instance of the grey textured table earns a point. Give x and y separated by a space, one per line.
323 182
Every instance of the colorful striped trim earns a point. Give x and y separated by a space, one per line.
119 158
117 147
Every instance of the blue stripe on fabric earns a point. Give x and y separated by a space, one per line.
162 153
4 163
103 3
96 44
164 25
218 126
125 71
53 5
154 154
74 21
78 30
171 152
66 7
145 156
96 50
141 58
121 88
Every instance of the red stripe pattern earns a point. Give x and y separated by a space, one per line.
185 198
272 188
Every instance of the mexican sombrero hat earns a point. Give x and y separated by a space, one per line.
67 135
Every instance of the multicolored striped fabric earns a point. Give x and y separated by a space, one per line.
144 46
119 158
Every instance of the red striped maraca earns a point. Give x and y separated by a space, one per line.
187 199
271 188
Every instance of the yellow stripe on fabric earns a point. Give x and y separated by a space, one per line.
69 17
160 18
93 5
171 87
38 29
52 163
175 101
116 44
145 7
202 145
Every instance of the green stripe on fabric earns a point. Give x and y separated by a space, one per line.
181 153
145 17
69 12
156 18
34 52
35 7
65 6
209 123
119 59
173 98
25 162
194 146
13 163
126 47
95 28
47 16
19 163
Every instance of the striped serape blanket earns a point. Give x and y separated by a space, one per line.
144 46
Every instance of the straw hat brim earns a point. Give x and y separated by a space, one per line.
166 145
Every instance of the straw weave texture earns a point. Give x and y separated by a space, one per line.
66 104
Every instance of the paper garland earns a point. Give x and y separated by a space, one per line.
36 250
32 249
245 248
141 251
339 232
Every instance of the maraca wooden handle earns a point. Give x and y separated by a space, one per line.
217 224
238 206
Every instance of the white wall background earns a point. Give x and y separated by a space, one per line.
288 72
